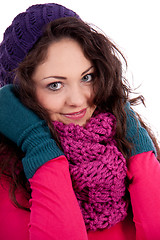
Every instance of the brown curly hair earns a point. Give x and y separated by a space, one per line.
111 89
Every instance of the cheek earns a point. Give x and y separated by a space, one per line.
43 99
50 102
91 95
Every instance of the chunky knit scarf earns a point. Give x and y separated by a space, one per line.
97 169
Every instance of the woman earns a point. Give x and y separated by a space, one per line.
69 79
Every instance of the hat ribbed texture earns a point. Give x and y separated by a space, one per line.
23 33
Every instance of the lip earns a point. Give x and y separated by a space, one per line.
76 115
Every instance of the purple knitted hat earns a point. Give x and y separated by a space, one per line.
22 34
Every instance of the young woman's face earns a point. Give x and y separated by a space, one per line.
64 83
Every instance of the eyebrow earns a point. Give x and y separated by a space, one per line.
87 70
64 78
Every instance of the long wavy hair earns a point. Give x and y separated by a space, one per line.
111 89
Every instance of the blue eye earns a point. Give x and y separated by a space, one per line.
88 77
55 86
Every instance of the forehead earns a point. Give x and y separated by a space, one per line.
63 57
66 48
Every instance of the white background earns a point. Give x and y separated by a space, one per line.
133 25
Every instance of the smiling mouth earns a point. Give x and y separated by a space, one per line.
76 115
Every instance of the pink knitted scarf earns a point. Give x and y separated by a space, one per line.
97 168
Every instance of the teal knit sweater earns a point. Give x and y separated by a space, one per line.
136 134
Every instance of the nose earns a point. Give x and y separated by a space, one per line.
76 97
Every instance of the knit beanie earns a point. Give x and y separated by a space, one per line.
23 33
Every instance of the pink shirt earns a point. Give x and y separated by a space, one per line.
55 213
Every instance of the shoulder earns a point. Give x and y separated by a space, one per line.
144 164
144 171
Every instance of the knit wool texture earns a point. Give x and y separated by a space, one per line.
26 28
97 168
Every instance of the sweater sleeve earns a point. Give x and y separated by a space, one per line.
144 171
136 134
55 213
